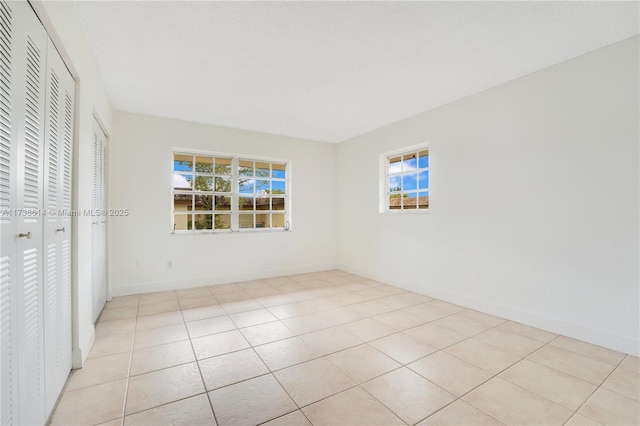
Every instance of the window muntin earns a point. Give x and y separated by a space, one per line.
407 180
225 193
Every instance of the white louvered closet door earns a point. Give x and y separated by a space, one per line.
57 226
35 160
99 223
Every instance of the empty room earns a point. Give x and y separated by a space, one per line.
320 213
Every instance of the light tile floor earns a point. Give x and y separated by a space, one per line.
334 348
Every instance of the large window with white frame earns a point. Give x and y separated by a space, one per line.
226 193
404 180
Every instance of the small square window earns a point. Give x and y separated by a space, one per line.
404 180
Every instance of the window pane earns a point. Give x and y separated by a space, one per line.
246 168
263 203
277 220
423 159
223 202
395 201
395 166
223 166
278 171
277 203
409 162
424 199
277 187
245 203
204 164
182 182
262 169
424 180
182 202
183 162
262 187
246 221
222 221
246 186
182 222
410 200
204 183
223 184
409 182
204 202
204 221
395 183
263 221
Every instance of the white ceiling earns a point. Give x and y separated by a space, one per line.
329 71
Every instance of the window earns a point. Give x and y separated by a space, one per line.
404 180
224 193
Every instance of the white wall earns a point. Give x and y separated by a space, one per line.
61 22
534 201
141 244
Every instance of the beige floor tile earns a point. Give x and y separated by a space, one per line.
322 304
162 356
402 348
251 402
115 422
118 313
123 302
465 324
624 382
100 370
459 413
159 307
351 407
207 326
231 368
580 420
112 344
292 419
218 344
344 315
92 405
247 319
444 308
409 395
224 288
259 293
367 329
372 307
374 293
424 312
286 352
202 313
487 357
554 385
404 299
309 323
160 387
107 328
362 363
610 408
158 297
188 293
312 381
450 373
160 336
289 310
266 333
232 297
399 320
526 331
348 298
330 340
197 302
240 306
511 404
572 363
592 351
159 320
253 284
510 342
191 411
279 299
435 335
631 363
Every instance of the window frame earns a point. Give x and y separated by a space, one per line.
384 175
234 194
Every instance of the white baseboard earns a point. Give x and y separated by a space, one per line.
148 287
79 355
596 337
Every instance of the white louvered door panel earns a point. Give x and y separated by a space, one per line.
30 80
99 223
9 412
57 198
